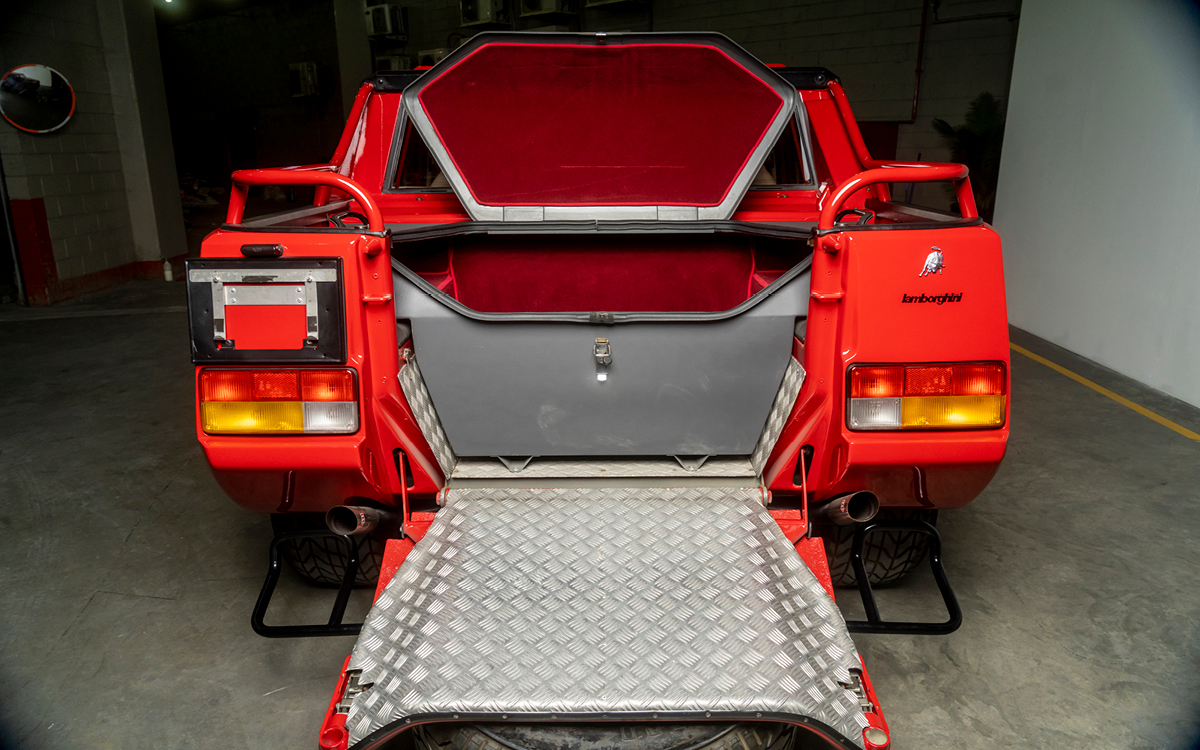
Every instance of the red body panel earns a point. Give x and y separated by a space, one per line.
330 469
857 315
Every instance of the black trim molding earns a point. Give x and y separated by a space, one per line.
894 227
807 79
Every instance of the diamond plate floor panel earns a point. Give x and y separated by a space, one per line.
587 601
566 469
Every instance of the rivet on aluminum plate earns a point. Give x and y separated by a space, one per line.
706 713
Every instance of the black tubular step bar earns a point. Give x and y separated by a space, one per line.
874 623
335 626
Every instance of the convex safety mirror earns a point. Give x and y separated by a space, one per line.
36 99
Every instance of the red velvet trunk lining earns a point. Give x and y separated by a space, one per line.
573 125
629 278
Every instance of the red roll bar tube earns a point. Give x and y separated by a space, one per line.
899 171
244 178
957 173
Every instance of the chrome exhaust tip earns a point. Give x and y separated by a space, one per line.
851 508
354 520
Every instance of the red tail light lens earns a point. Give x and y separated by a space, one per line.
928 381
271 385
877 382
226 385
327 385
979 380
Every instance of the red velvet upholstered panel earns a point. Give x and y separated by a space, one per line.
603 125
576 276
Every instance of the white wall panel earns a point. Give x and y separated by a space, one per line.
1099 185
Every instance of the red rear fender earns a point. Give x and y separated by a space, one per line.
875 302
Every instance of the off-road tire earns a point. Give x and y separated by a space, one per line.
321 560
744 736
888 555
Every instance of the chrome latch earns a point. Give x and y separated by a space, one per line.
603 354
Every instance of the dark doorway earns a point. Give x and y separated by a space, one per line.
230 69
10 272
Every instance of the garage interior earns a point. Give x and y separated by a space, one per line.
129 576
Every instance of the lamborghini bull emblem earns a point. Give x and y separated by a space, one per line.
933 263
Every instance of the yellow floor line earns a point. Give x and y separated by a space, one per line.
1101 389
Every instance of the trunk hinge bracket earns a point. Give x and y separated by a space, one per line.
855 685
353 690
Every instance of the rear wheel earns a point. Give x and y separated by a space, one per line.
887 555
661 736
322 560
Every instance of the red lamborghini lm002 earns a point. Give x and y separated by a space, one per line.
605 358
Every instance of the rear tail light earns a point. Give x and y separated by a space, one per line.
278 402
927 397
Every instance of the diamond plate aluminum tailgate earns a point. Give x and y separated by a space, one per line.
602 602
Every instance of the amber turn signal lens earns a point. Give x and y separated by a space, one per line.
934 412
252 417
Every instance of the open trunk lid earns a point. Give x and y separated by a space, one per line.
600 126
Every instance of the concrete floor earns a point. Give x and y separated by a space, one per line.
127 578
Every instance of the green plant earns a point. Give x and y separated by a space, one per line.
977 144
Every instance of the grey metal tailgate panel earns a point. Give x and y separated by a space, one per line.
673 388
618 600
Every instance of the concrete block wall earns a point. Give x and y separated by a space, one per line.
76 192
870 44
76 171
1098 180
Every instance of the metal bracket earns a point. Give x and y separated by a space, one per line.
218 302
855 685
334 626
250 287
874 623
691 463
515 463
353 690
310 307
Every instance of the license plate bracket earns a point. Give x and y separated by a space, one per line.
266 311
